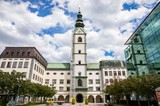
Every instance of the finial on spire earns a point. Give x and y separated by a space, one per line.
79 8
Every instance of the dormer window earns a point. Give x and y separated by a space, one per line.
23 53
28 54
7 53
12 53
17 53
79 39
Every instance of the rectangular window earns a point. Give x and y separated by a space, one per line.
106 81
111 80
97 81
68 88
26 65
60 88
53 88
33 76
61 81
110 73
68 81
35 67
97 88
106 73
54 81
90 89
25 74
20 64
46 81
3 64
9 65
90 81
14 65
123 72
119 73
36 78
115 73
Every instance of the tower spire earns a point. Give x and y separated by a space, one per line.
79 21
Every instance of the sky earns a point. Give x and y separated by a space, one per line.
48 25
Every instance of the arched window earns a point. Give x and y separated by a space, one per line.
79 82
79 39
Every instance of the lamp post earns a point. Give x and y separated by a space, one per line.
17 96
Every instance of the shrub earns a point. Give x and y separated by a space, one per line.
73 101
86 101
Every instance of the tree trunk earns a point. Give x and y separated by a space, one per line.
41 99
127 102
128 99
29 98
44 99
139 104
148 101
23 98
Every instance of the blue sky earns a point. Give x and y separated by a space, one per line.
48 24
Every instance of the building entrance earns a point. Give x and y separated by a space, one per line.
79 98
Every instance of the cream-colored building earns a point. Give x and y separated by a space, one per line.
76 79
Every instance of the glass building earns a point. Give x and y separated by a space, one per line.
143 51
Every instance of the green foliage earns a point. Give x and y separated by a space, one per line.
0 102
14 83
144 85
86 101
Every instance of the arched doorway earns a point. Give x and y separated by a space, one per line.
61 98
67 99
98 99
79 98
90 99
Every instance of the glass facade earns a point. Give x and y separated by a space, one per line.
143 51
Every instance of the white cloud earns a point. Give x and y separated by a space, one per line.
105 15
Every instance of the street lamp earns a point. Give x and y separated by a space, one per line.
17 96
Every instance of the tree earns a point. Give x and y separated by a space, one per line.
116 90
144 85
14 83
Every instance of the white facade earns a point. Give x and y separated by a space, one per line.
97 79
31 68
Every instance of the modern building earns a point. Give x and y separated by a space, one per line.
143 51
76 79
